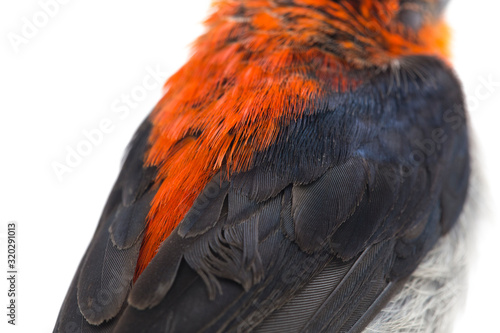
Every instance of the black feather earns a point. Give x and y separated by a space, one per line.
104 278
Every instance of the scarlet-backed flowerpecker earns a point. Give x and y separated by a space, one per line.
300 167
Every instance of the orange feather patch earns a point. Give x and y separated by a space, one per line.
259 66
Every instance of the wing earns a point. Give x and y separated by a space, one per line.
315 237
104 277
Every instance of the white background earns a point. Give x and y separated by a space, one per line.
73 72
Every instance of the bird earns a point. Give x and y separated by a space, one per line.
306 170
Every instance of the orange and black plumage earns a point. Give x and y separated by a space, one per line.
283 158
